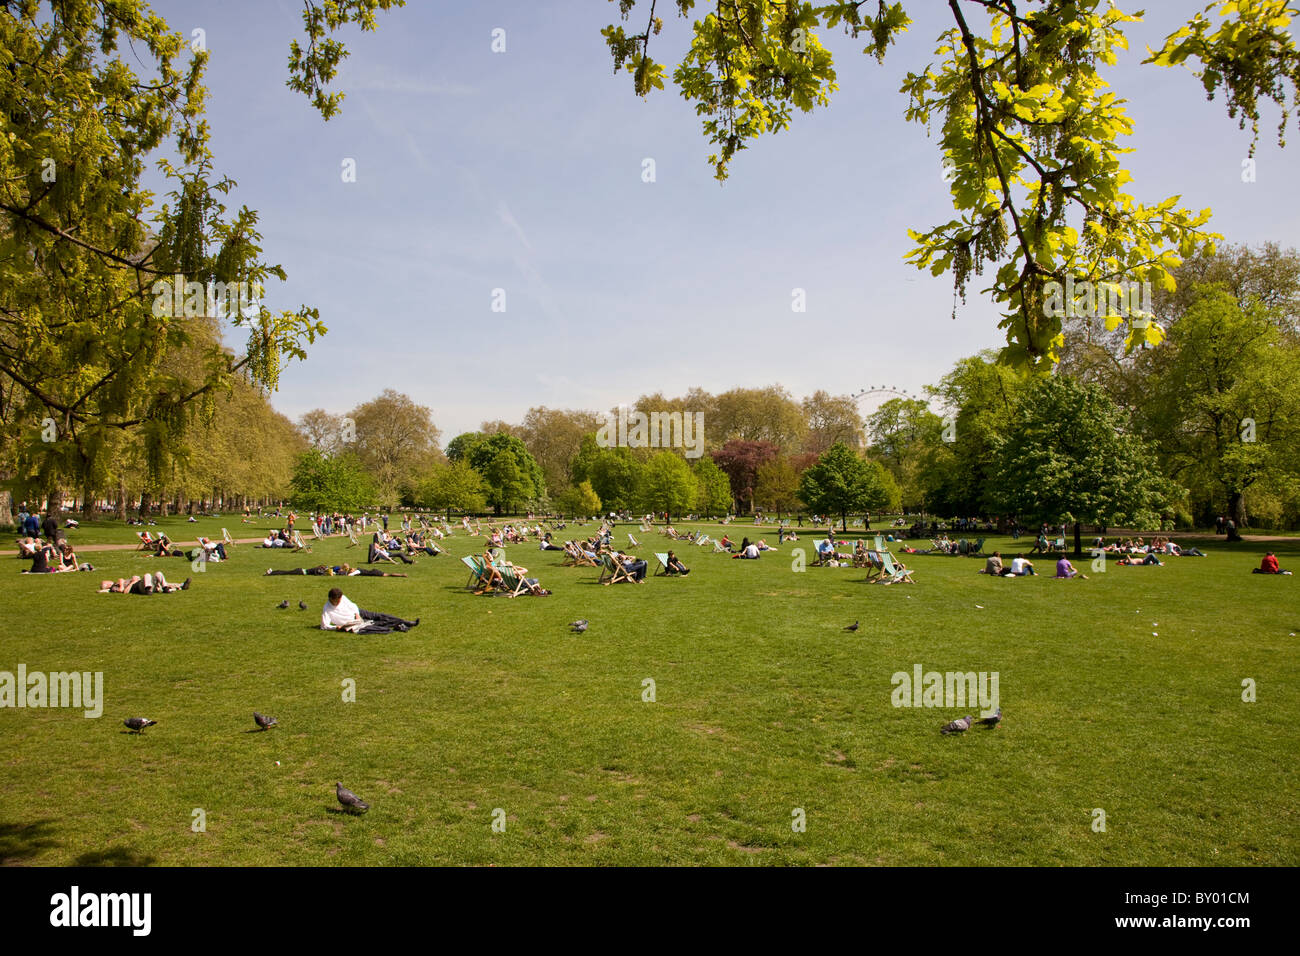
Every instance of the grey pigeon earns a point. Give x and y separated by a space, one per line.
993 721
138 724
960 725
302 606
350 799
264 721
852 627
283 604
578 627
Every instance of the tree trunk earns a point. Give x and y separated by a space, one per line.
146 502
1078 540
1237 508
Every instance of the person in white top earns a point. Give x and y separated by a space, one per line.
341 614
1020 567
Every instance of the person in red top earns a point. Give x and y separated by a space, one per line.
1269 565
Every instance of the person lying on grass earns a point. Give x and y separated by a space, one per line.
148 583
27 547
1269 565
1130 560
338 571
1064 569
340 614
764 546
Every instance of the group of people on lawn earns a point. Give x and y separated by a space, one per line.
1021 566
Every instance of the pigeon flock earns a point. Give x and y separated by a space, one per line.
578 627
963 724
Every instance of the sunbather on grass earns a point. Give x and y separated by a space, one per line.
147 583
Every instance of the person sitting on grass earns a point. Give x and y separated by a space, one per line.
1269 565
27 547
340 614
67 558
1064 569
153 583
1020 567
993 565
748 552
44 561
674 564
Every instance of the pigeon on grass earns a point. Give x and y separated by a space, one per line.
350 799
263 721
283 604
302 606
852 627
960 725
991 721
138 724
577 627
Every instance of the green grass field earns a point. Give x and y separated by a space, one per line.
1123 693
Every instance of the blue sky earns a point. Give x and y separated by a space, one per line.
522 170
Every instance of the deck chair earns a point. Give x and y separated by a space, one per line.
633 542
718 548
226 539
875 566
975 548
297 542
513 585
702 540
147 541
612 572
662 570
880 543
352 539
315 532
893 572
477 571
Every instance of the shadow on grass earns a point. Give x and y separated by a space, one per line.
114 856
22 841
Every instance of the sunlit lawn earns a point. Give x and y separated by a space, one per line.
1122 693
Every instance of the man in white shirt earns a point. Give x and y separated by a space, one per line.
1020 566
341 614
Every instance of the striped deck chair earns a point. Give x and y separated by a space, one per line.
226 539
147 541
718 548
514 584
894 573
476 571
662 570
702 540
875 566
613 571
298 543
633 542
